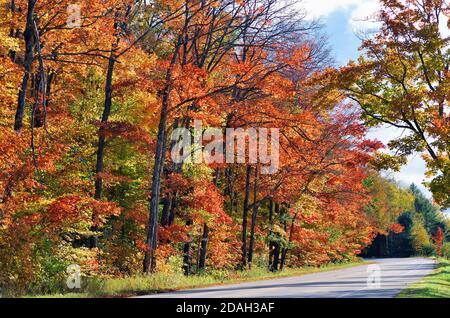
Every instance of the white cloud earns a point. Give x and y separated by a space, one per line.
361 12
363 15
322 8
443 26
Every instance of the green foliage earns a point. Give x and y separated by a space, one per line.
446 250
436 285
430 213
389 201
420 225
420 238
428 250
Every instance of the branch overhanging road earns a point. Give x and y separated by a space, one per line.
395 275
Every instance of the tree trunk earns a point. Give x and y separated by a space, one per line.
187 258
203 247
230 188
169 202
27 63
269 239
285 250
254 216
167 207
283 258
173 207
245 217
152 228
388 252
48 93
99 167
276 257
105 117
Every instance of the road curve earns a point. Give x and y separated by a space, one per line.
395 274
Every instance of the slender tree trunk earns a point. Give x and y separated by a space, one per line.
48 94
276 256
173 208
167 207
152 228
169 202
276 245
187 258
388 253
99 165
50 78
271 254
107 103
101 138
286 249
203 247
283 258
14 33
230 188
28 61
269 236
254 216
245 217
150 257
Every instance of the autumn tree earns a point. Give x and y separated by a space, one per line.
401 80
438 239
205 36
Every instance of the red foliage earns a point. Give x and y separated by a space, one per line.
397 228
438 239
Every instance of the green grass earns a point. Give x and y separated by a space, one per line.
436 285
157 283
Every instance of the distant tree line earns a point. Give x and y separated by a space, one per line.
424 230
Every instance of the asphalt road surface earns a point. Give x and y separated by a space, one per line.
384 278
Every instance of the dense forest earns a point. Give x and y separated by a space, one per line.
92 90
420 229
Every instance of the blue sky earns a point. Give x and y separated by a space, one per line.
343 20
341 36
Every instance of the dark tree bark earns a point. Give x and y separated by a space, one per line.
173 208
274 254
119 26
152 232
286 249
105 117
99 166
275 250
167 207
271 243
283 258
245 217
14 33
29 39
203 247
187 257
254 217
152 228
50 78
170 200
230 188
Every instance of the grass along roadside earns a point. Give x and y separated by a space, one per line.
436 285
159 282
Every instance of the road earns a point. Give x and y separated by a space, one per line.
395 275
